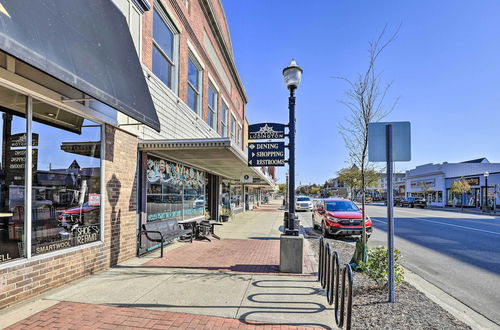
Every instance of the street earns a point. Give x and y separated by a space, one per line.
459 253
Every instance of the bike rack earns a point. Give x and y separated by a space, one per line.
329 277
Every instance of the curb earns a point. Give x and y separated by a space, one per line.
456 308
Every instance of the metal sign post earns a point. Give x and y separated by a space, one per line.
390 215
389 142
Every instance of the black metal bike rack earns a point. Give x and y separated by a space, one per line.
329 273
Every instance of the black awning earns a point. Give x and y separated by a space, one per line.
85 44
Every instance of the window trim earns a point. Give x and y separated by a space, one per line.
166 18
198 90
28 256
233 132
224 122
240 135
213 111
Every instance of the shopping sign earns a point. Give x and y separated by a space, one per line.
266 131
266 154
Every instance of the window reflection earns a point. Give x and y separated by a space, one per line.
13 150
174 191
66 187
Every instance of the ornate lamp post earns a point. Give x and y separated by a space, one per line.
292 75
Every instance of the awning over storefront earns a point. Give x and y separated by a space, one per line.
218 156
85 44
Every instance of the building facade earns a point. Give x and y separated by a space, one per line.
141 121
433 181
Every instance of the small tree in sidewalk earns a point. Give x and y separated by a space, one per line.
460 187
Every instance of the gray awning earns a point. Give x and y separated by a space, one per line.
85 44
218 156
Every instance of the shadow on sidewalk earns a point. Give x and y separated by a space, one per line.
266 304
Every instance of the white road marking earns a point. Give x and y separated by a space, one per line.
448 224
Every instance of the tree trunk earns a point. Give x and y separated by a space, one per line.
463 201
363 214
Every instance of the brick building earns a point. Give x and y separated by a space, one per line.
135 113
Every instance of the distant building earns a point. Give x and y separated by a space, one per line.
433 181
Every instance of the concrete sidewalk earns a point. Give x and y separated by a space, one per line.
231 280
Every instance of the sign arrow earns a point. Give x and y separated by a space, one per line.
251 146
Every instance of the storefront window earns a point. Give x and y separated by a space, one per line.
66 190
173 191
12 178
225 197
65 182
236 196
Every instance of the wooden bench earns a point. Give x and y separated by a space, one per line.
163 231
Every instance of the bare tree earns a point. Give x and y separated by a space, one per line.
366 102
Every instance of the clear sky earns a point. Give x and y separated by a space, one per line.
445 67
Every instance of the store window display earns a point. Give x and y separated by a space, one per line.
173 191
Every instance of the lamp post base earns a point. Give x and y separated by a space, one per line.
291 254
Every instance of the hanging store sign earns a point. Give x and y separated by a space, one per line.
266 154
266 131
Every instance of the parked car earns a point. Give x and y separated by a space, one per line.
340 217
397 201
414 202
303 203
81 215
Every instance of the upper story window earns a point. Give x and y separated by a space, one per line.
212 107
240 135
163 48
223 120
194 85
133 17
233 128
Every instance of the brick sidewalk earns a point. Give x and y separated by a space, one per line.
230 255
71 315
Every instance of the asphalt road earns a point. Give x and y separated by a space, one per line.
459 253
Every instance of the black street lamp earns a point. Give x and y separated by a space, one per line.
485 202
292 75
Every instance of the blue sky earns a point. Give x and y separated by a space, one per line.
445 68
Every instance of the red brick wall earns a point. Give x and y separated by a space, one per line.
32 278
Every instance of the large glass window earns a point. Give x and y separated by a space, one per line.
212 108
65 182
174 191
236 196
194 85
163 49
66 190
12 174
223 120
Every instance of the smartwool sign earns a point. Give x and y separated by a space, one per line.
266 154
266 131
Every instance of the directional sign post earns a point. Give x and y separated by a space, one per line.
266 154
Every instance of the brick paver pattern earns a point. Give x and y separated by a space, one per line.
230 255
70 315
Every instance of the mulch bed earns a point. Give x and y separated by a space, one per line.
412 309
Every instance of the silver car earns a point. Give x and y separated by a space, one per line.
303 203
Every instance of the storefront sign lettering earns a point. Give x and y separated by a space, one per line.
87 234
423 183
164 215
52 247
473 181
5 257
266 131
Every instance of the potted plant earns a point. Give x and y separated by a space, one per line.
226 214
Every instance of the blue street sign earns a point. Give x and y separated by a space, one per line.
266 154
266 131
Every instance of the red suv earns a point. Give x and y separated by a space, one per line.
339 217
